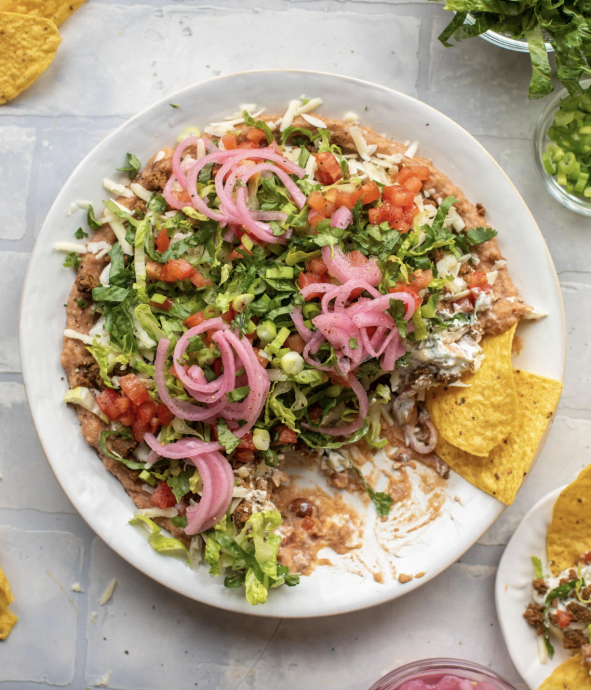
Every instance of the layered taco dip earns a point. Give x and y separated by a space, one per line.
279 285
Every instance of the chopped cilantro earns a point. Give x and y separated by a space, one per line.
133 166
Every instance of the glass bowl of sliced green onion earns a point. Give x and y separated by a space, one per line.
563 149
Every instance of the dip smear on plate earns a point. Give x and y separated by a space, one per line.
276 283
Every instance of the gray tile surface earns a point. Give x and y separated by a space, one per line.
115 59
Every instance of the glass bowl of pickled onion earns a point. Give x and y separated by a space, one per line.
442 674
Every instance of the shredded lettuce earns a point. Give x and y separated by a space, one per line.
140 259
107 356
165 545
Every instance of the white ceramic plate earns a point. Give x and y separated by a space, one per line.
99 497
513 593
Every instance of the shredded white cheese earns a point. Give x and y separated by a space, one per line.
159 156
140 191
108 593
501 263
218 129
290 113
492 276
361 145
116 188
412 149
101 248
351 118
311 167
314 121
76 587
157 512
201 152
70 247
75 205
103 681
86 339
119 230
308 107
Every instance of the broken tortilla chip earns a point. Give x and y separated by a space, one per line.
29 45
569 533
56 10
570 675
503 471
478 418
7 618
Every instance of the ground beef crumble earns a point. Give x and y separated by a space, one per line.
579 613
540 586
534 615
121 446
573 639
88 375
85 282
154 181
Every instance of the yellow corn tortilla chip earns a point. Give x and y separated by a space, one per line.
569 533
28 45
7 618
570 675
478 418
56 10
503 471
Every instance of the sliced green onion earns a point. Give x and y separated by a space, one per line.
145 476
333 391
280 273
240 303
310 310
261 439
568 163
266 331
276 344
581 183
563 118
292 363
210 312
549 165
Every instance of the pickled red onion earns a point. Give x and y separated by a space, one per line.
341 218
342 269
298 321
184 448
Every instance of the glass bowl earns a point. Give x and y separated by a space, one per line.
432 670
504 41
541 141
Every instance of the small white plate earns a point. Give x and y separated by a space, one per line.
100 498
513 593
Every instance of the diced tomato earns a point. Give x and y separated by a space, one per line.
138 430
316 266
228 316
198 280
329 171
194 320
349 199
107 401
464 304
166 305
256 135
248 145
229 142
234 254
338 380
376 215
413 184
314 217
146 411
162 241
246 442
182 195
401 287
134 389
369 192
315 413
172 371
154 271
165 416
421 171
286 435
587 557
305 279
420 279
162 497
356 258
296 343
127 419
244 455
218 367
322 204
263 361
123 404
398 196
176 269
477 279
564 618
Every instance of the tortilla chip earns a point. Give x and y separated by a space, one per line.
503 471
569 534
56 10
478 418
7 618
28 45
570 675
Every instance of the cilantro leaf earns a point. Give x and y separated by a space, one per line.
79 234
479 235
382 500
180 484
238 394
91 220
72 260
397 311
133 166
179 521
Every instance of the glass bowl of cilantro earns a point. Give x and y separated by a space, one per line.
563 149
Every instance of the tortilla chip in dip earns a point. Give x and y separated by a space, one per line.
29 45
56 10
478 418
502 472
569 533
570 675
7 618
